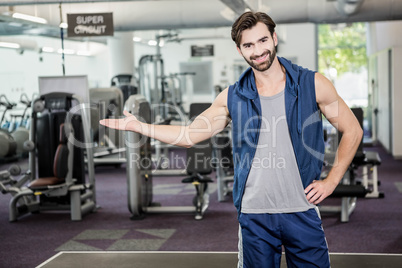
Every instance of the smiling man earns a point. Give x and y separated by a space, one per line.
275 108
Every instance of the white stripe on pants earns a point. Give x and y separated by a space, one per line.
240 254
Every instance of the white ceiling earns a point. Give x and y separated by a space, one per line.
180 14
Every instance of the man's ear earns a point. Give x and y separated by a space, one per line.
275 37
238 50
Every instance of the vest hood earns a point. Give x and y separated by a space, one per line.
247 88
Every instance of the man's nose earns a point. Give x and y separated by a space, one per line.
258 49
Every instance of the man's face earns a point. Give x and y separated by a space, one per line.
257 47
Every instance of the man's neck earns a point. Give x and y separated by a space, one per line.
271 81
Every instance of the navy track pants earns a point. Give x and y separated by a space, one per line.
261 237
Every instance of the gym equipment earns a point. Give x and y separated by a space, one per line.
164 93
370 163
8 106
21 133
349 189
8 146
161 90
150 69
198 170
20 203
110 143
9 185
222 148
58 138
123 82
139 164
175 83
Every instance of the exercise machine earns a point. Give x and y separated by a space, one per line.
222 148
139 167
125 84
56 178
8 146
109 143
350 188
348 191
21 132
9 184
370 174
164 94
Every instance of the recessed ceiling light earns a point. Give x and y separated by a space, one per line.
9 45
48 49
66 51
84 53
63 25
29 18
152 43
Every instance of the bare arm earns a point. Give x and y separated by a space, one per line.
342 118
208 123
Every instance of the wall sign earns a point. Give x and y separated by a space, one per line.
202 51
90 24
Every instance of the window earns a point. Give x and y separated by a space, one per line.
342 58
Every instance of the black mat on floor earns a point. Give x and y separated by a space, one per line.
199 260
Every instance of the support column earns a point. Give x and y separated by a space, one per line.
121 53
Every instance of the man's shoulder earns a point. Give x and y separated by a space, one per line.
297 72
222 97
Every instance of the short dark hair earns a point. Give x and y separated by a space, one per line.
248 20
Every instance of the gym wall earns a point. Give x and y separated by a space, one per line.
384 48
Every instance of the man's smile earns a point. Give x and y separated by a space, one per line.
261 58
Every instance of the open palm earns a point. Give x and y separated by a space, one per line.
130 122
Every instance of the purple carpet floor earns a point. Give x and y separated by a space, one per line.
373 227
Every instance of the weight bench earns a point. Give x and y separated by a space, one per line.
348 195
366 160
348 190
370 162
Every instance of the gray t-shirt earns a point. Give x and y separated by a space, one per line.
274 184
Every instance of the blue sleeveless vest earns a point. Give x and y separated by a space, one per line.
303 117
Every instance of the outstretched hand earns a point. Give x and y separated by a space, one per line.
317 191
130 122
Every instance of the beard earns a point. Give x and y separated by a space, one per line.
262 66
